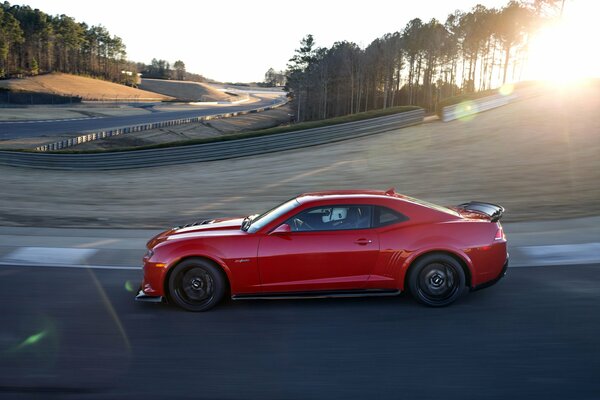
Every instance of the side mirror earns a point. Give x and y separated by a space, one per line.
283 228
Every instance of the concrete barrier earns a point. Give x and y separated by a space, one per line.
471 107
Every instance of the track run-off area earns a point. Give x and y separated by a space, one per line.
36 128
72 243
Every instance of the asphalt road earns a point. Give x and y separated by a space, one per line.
21 129
77 333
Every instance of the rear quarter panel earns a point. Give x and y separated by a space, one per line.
470 241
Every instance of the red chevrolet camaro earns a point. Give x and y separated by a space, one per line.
330 244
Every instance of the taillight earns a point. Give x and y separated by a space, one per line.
500 234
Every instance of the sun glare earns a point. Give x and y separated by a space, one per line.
564 51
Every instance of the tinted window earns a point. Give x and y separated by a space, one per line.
385 216
332 218
431 205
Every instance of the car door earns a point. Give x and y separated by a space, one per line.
328 248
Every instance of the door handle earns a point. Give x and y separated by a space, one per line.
363 242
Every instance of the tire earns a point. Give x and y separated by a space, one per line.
436 280
196 285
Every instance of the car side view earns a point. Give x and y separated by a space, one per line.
330 244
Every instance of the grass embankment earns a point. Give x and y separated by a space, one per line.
263 132
185 90
81 86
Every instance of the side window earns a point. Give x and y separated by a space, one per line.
332 218
385 216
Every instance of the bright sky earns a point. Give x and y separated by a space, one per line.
567 50
238 40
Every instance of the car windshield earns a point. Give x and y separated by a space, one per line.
264 219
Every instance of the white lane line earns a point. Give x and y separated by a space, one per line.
39 121
97 243
563 254
114 267
50 255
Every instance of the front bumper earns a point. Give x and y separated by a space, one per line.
141 296
495 280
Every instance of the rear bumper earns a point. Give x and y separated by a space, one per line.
141 296
493 281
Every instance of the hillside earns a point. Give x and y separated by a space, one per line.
184 91
73 85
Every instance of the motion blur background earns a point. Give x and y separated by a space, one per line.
72 238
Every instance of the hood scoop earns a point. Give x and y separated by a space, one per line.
202 222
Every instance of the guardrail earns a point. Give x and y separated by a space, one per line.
92 136
212 151
470 107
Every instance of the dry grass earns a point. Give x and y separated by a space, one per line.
73 85
538 158
184 91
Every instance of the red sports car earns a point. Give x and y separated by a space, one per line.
330 244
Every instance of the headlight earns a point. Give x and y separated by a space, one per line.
148 254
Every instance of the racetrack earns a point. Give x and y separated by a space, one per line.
22 129
77 333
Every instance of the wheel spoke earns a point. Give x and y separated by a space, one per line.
449 278
196 285
437 282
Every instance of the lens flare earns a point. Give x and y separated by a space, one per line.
466 110
129 286
562 52
506 89
31 340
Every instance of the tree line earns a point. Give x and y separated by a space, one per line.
33 42
161 69
418 65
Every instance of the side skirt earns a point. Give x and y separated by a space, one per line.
317 294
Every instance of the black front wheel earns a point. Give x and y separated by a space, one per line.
196 285
436 280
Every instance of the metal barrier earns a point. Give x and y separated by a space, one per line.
208 151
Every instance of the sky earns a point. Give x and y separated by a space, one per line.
237 40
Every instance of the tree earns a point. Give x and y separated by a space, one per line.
512 26
297 73
274 78
11 35
179 70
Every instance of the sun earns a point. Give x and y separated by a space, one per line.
566 50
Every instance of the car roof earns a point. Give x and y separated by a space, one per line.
347 194
361 194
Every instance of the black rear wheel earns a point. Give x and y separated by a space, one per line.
196 285
437 280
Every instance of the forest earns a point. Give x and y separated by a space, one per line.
33 42
420 64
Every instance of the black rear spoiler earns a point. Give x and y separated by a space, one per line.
494 211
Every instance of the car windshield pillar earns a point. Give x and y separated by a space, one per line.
271 215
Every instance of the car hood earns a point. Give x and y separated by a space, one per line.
222 226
